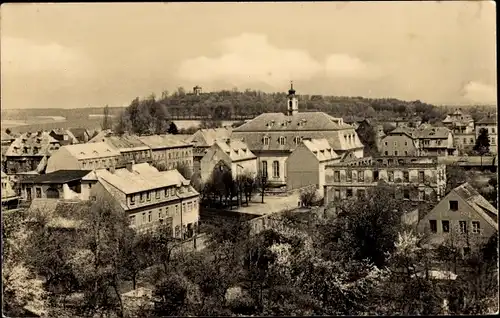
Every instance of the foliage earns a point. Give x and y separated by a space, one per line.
106 122
172 129
482 145
308 197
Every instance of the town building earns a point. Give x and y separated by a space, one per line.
10 199
307 163
416 178
60 185
131 148
100 136
171 151
230 155
151 198
197 90
273 136
87 156
462 212
64 136
202 140
26 152
423 141
81 134
489 123
462 127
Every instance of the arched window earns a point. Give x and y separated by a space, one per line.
282 140
265 140
276 169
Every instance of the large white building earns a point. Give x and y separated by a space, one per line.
273 136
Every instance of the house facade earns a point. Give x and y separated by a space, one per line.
273 136
462 213
64 136
399 142
307 164
10 199
26 152
202 140
151 198
130 147
59 185
462 127
169 150
87 156
232 154
416 178
489 123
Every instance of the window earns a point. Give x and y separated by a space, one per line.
476 228
375 175
454 205
421 195
166 192
406 153
406 193
184 207
395 152
189 207
83 164
361 193
337 194
28 193
336 176
264 169
361 176
472 140
160 214
157 194
282 141
276 169
406 143
446 226
386 143
433 225
132 199
38 192
390 176
144 217
406 176
142 196
349 175
463 226
149 216
265 140
348 193
132 219
93 198
395 144
421 176
148 196
386 153
176 208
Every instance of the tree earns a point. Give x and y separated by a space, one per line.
455 176
173 129
206 124
308 197
106 122
8 131
171 297
482 145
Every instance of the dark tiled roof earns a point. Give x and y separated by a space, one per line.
57 177
488 120
79 133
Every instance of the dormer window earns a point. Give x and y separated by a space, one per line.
94 152
282 140
236 151
265 140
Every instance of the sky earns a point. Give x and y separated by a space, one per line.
78 55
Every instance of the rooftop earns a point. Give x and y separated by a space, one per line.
164 141
33 144
321 149
478 203
236 149
488 120
207 137
58 177
126 143
91 150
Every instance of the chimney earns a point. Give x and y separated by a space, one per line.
228 141
112 169
129 165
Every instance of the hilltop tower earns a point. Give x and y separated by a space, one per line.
292 102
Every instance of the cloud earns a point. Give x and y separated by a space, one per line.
480 93
346 66
248 58
20 56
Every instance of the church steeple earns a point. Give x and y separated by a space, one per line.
292 103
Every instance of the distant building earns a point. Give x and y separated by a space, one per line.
489 123
64 136
169 150
131 148
416 178
60 185
202 140
10 199
151 198
197 90
231 155
84 157
462 127
100 136
424 141
307 163
463 211
273 136
81 134
27 152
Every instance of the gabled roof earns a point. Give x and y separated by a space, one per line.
478 203
100 137
207 137
79 133
432 133
236 149
33 144
403 130
58 177
92 150
141 178
321 149
164 141
316 121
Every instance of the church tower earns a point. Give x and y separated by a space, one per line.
293 102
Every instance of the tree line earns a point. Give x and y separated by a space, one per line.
359 259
